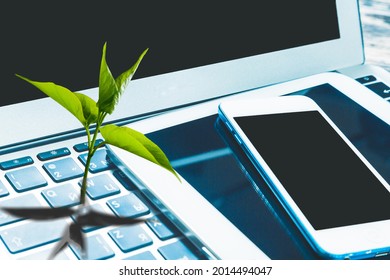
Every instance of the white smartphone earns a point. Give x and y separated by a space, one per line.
332 193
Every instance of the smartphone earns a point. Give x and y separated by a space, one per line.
331 192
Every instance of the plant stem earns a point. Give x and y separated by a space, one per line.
85 178
91 151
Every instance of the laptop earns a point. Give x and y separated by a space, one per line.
200 54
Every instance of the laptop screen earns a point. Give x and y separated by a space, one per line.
62 42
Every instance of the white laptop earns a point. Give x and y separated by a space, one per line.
199 55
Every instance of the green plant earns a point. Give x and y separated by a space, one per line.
91 115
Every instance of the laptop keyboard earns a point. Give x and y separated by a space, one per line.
376 86
50 176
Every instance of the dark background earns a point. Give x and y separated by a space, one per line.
61 41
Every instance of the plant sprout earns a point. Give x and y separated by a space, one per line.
91 115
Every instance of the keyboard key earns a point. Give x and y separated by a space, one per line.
62 196
101 186
381 89
33 234
26 179
19 162
159 228
145 256
124 180
129 238
99 162
177 251
96 249
129 206
3 190
83 147
53 154
366 79
63 169
27 200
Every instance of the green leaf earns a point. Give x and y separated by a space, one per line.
123 80
90 109
108 90
111 89
61 95
136 143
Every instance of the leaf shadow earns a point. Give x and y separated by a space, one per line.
73 234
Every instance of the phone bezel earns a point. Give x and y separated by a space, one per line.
362 240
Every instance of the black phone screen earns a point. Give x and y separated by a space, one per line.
322 174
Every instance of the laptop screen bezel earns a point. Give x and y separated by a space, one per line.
194 85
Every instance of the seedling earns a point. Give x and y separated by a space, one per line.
91 115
